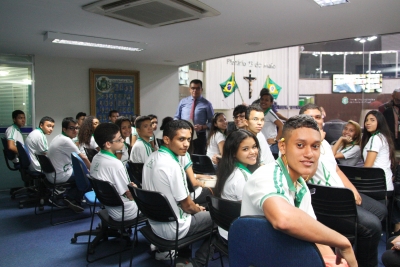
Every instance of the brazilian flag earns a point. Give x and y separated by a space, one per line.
273 88
229 86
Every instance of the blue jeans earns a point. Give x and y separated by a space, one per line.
274 148
369 228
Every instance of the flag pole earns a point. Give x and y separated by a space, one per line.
233 78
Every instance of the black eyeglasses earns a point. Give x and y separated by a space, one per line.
73 128
238 117
120 140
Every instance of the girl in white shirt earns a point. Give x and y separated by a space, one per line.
85 135
347 147
216 137
377 145
240 150
125 129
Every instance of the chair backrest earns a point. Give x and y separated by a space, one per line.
80 173
154 205
223 212
90 153
23 156
136 170
8 154
369 181
190 185
106 193
254 242
45 164
202 164
160 142
335 207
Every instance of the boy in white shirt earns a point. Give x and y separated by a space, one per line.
13 133
142 148
36 142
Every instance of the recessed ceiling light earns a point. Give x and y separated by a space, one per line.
71 39
253 43
323 3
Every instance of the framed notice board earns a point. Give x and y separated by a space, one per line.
114 90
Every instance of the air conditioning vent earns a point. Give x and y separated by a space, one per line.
152 13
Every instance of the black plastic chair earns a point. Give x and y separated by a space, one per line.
9 157
335 207
202 164
135 171
156 207
90 153
254 242
48 168
223 212
108 196
371 182
33 180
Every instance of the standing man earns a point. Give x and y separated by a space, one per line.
113 115
199 110
391 111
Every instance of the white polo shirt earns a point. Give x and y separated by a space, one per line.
265 154
351 153
106 167
141 150
326 172
273 180
125 154
269 129
186 162
14 133
378 143
163 173
212 148
92 145
233 188
60 150
36 142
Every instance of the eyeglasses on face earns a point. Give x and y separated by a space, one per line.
238 117
73 128
119 140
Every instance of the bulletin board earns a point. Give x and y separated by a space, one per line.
114 90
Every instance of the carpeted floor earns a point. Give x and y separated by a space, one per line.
27 239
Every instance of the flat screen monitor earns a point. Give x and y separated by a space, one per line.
357 83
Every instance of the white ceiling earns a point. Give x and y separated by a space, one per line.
273 23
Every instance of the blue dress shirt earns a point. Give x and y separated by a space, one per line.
203 113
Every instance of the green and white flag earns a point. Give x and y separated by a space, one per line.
229 86
273 88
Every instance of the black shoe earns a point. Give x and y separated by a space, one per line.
59 203
76 208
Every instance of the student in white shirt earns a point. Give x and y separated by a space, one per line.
106 167
162 172
240 150
254 122
347 147
13 133
36 142
85 135
154 124
142 148
80 117
278 191
216 137
125 129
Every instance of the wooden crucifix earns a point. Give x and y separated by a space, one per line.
250 80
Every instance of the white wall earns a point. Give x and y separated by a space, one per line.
62 90
62 87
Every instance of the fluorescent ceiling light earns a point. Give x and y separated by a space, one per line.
323 3
71 39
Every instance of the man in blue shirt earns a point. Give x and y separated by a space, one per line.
199 110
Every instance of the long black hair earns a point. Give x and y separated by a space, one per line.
227 163
383 128
86 130
214 128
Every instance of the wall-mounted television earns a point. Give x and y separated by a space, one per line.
357 83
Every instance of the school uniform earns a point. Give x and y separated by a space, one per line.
213 148
141 150
36 143
265 153
351 153
14 133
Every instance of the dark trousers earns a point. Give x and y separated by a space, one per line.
369 229
391 258
200 143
